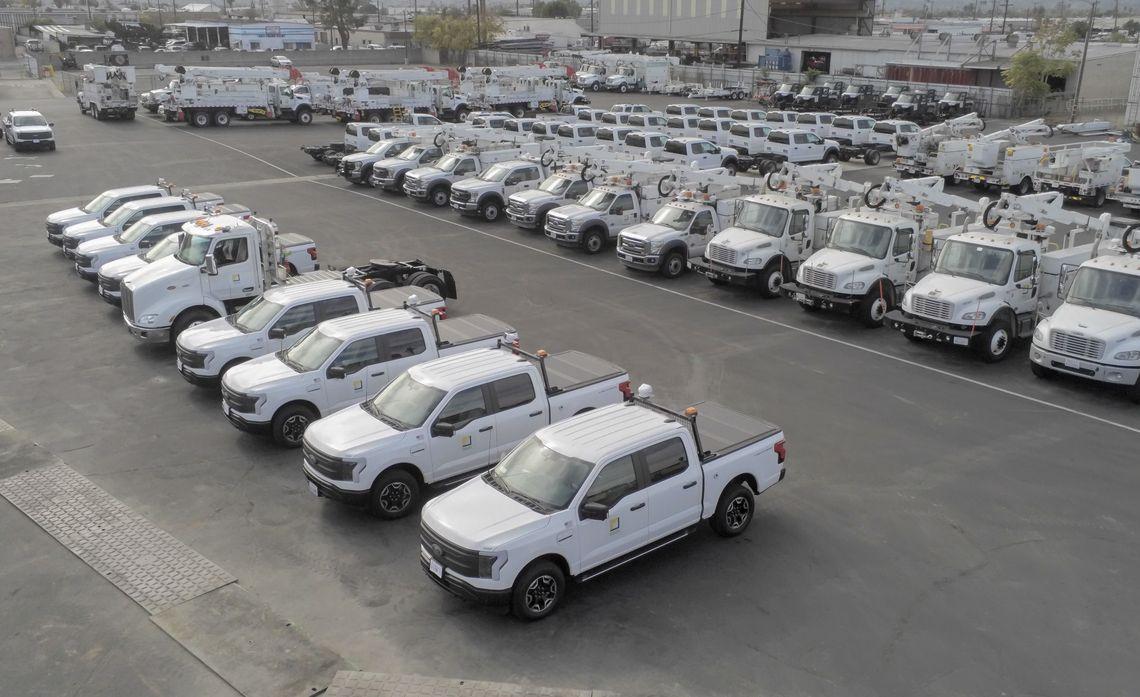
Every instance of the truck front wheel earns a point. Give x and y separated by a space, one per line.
201 119
439 196
993 344
871 157
734 511
538 591
593 241
394 494
191 318
490 211
673 265
874 306
771 279
304 117
289 424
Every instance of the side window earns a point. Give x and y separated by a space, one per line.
464 407
432 155
701 223
825 119
800 138
357 355
231 251
903 241
338 307
158 232
799 222
465 167
616 480
1024 266
577 189
403 344
515 177
665 460
297 319
114 206
529 174
814 139
622 204
514 391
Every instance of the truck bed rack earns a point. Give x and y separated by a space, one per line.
568 370
467 329
722 430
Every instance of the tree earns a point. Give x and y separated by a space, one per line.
1079 28
453 31
341 15
1131 26
557 8
1031 68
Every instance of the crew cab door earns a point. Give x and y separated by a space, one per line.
623 213
1023 292
357 358
469 447
399 350
237 275
701 230
520 410
521 179
901 254
673 485
616 486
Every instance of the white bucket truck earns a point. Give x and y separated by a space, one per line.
772 233
213 96
449 419
341 363
874 252
221 264
108 91
590 494
995 277
1083 172
1127 189
703 204
938 150
276 319
1095 332
1005 159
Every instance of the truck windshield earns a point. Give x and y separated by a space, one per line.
119 216
254 316
168 246
676 218
192 250
907 98
495 173
785 87
405 403
763 218
98 203
1106 290
554 185
971 260
807 91
598 200
888 128
448 163
30 120
311 352
134 232
859 237
536 474
380 147
412 153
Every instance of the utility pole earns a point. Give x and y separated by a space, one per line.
993 12
741 54
1115 14
1081 70
1004 14
478 23
406 41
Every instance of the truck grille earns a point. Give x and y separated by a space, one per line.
70 242
332 467
460 196
929 307
1076 345
111 285
819 279
724 255
380 173
516 208
191 359
630 246
54 228
464 562
557 224
128 304
238 401
83 260
33 136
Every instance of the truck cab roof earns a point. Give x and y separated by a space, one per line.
876 218
462 370
991 238
352 327
1129 264
133 190
306 292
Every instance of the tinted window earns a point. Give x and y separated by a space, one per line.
707 125
799 222
1024 266
403 344
297 318
464 408
514 391
623 204
801 138
701 223
465 167
338 307
635 140
778 137
676 123
739 130
665 460
615 481
586 132
358 354
825 119
903 241
577 188
231 251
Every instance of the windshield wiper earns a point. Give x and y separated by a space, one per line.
528 501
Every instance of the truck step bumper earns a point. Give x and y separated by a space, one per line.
461 589
817 298
1100 372
719 272
931 331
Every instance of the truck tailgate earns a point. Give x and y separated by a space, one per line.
468 329
725 430
571 370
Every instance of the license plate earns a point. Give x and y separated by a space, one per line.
435 567
1072 363
36 141
622 256
961 341
800 297
313 489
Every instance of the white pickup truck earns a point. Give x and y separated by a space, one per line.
101 207
129 214
588 495
486 195
388 174
527 209
341 363
447 419
601 214
357 167
277 319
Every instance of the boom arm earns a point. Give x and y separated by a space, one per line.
956 127
1023 132
1012 213
822 176
913 192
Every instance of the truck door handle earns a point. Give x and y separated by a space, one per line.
536 413
247 290
690 485
376 375
485 429
638 506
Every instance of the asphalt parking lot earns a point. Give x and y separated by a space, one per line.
946 527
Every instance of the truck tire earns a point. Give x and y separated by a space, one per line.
461 113
734 510
290 422
622 88
304 117
844 156
993 344
771 278
830 156
199 118
518 112
875 305
673 265
221 118
1099 198
596 87
130 115
868 200
1023 187
538 590
593 240
190 318
872 157
428 281
439 195
731 167
490 210
1126 240
365 175
394 494
98 114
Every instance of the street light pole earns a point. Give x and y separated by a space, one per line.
1081 69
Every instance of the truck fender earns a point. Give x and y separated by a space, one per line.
408 467
674 246
210 307
487 198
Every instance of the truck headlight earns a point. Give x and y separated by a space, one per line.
1039 335
148 319
656 245
854 285
1127 356
491 563
572 225
974 316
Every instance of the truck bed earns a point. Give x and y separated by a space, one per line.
571 370
396 297
294 239
311 276
458 331
725 430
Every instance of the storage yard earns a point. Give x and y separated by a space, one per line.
951 508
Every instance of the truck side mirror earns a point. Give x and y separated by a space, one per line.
277 333
442 429
592 510
210 265
337 372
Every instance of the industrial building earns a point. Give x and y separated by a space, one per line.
248 36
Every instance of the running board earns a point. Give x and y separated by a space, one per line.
635 554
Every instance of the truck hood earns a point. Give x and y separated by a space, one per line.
839 262
742 240
120 268
571 211
532 196
395 163
953 289
350 431
70 216
474 184
100 245
258 375
88 229
210 335
649 231
1112 327
477 516
360 157
425 173
162 271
